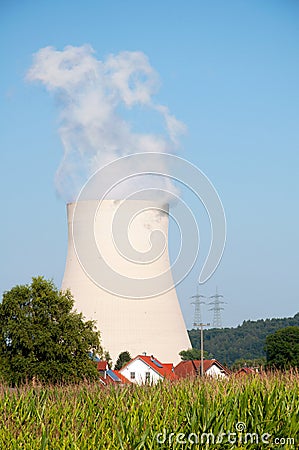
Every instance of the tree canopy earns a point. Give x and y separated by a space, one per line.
42 337
122 359
192 354
282 348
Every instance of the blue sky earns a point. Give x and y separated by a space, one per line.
229 71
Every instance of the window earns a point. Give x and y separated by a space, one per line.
132 375
147 377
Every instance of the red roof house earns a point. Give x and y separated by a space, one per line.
192 368
147 369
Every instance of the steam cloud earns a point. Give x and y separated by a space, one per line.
96 100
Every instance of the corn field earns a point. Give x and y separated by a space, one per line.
250 412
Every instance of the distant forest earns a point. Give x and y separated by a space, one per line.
247 341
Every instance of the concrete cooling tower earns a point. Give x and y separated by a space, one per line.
118 271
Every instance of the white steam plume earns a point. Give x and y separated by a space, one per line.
95 97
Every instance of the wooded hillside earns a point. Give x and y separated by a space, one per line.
245 341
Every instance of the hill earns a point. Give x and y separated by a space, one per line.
245 341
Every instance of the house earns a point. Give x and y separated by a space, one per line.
147 369
192 368
108 376
102 367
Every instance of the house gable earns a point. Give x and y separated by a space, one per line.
146 369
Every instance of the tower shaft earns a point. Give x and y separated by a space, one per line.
154 324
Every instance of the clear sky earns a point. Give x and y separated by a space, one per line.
229 71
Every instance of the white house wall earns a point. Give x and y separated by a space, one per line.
140 368
215 372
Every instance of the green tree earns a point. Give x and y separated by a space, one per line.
42 337
122 359
192 353
282 348
108 358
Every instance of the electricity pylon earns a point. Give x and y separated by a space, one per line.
197 310
216 302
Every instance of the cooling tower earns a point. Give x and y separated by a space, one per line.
126 286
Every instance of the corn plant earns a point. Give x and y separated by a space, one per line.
190 413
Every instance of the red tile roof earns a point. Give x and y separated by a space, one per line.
187 368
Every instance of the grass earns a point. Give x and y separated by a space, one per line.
91 417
